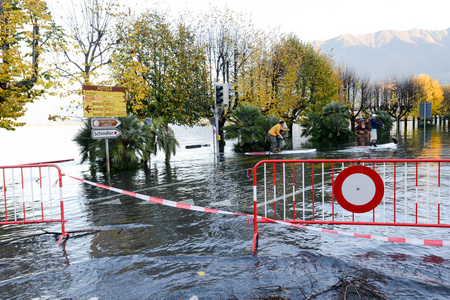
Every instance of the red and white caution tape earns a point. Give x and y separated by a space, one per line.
161 201
423 242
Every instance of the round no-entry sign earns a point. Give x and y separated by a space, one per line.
358 189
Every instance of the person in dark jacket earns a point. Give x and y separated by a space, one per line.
373 130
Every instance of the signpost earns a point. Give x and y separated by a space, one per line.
425 112
103 103
106 132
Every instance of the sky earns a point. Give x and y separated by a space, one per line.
310 20
324 19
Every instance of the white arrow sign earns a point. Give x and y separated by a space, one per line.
105 133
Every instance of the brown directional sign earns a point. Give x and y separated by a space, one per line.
104 101
104 123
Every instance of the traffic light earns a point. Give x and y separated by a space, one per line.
222 94
219 94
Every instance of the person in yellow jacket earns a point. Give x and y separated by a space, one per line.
273 133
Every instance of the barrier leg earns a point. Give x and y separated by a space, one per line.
63 227
255 243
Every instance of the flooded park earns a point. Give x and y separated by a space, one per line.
122 247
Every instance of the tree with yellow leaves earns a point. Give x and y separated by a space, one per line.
428 90
25 33
446 103
290 79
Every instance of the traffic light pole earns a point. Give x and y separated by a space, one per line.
217 131
221 101
107 156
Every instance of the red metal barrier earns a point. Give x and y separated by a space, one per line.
32 194
399 192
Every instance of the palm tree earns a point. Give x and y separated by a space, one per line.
247 125
162 137
311 126
332 125
336 122
132 148
385 119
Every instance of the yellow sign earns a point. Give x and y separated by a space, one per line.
104 101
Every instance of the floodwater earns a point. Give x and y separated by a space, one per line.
125 248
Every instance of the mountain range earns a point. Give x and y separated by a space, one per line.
393 54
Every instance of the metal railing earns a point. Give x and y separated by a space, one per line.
32 194
410 192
